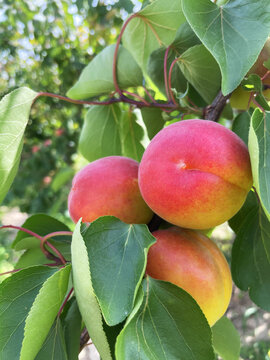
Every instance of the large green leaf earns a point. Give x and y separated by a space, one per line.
234 33
117 255
85 296
17 296
54 347
43 312
154 26
100 134
14 112
97 77
163 326
132 135
202 71
226 340
184 39
153 120
259 148
251 251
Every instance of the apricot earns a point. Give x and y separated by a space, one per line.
108 186
193 262
195 174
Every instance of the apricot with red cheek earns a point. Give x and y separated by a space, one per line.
195 174
108 186
193 262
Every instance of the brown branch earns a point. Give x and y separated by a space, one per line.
212 112
84 339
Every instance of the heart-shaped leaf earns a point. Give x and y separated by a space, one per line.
117 255
100 134
201 70
234 33
14 112
152 27
97 77
132 135
162 326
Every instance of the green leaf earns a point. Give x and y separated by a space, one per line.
54 347
153 121
154 26
132 135
201 70
100 134
17 295
163 326
85 296
226 340
234 33
259 149
14 112
72 324
97 77
241 126
43 312
185 38
251 252
32 257
117 255
41 224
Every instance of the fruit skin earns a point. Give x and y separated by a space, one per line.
192 261
195 174
108 186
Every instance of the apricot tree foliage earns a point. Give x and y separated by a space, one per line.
172 61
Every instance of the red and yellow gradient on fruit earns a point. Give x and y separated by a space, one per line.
192 261
240 98
195 174
108 186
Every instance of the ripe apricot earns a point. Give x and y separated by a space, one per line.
192 261
108 186
195 174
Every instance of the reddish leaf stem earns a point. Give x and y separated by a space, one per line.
136 96
64 303
165 72
170 81
10 272
22 229
56 233
117 88
57 252
149 95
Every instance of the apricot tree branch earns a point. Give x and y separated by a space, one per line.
213 111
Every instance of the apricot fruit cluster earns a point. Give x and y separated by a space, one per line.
194 174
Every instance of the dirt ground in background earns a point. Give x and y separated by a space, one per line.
252 323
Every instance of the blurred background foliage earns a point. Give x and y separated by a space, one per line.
45 45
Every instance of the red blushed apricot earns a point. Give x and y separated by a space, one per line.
195 174
108 186
193 262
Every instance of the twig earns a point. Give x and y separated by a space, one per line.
212 112
84 339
